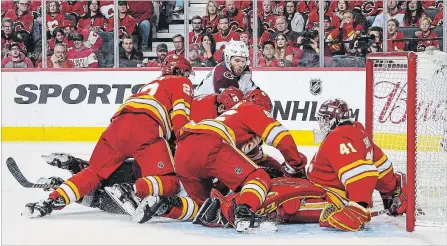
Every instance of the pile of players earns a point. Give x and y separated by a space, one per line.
199 158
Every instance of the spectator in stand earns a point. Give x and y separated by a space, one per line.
195 59
394 12
337 15
281 28
5 6
413 13
78 8
211 19
127 24
225 34
393 33
236 17
267 16
16 59
268 59
129 56
23 19
425 32
59 58
81 56
306 52
58 36
348 30
91 37
307 6
9 36
142 12
54 17
208 49
93 19
179 45
374 46
196 34
245 37
295 20
284 51
162 52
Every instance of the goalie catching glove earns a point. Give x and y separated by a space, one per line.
351 217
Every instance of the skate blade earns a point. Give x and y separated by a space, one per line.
31 214
263 227
138 215
115 195
55 156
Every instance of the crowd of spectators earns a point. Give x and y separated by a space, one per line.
80 34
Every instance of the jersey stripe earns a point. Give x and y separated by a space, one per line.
356 171
268 128
215 126
384 166
153 107
275 135
181 107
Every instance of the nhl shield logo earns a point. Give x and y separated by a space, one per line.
315 86
238 170
161 165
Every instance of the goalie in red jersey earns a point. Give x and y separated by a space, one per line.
349 166
140 129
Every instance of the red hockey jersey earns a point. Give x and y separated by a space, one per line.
349 166
166 99
245 126
204 107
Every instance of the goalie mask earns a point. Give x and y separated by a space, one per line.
331 114
228 98
176 65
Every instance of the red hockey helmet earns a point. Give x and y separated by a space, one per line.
332 113
230 97
176 65
259 97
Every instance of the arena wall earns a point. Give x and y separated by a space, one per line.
76 105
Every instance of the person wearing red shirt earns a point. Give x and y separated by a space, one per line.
268 59
59 58
196 34
236 16
211 20
93 19
162 52
226 33
179 45
393 33
425 32
54 17
22 17
127 23
81 56
74 7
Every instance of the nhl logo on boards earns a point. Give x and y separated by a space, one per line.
160 165
238 170
315 86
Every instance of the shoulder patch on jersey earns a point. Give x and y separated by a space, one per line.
228 75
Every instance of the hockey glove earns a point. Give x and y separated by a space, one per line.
396 200
295 169
351 217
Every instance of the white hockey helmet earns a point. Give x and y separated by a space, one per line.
235 48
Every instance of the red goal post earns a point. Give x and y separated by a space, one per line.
406 115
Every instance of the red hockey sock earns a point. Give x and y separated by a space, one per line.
187 211
157 186
255 189
77 186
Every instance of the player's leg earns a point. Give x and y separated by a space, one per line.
157 170
239 173
104 160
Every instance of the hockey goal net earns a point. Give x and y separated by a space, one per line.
406 113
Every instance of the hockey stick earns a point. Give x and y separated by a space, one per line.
379 212
15 171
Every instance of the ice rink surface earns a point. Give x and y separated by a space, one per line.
78 225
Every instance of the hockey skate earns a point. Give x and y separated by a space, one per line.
124 196
65 161
42 208
154 206
246 221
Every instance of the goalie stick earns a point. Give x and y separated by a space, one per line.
15 171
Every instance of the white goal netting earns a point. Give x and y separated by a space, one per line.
390 87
